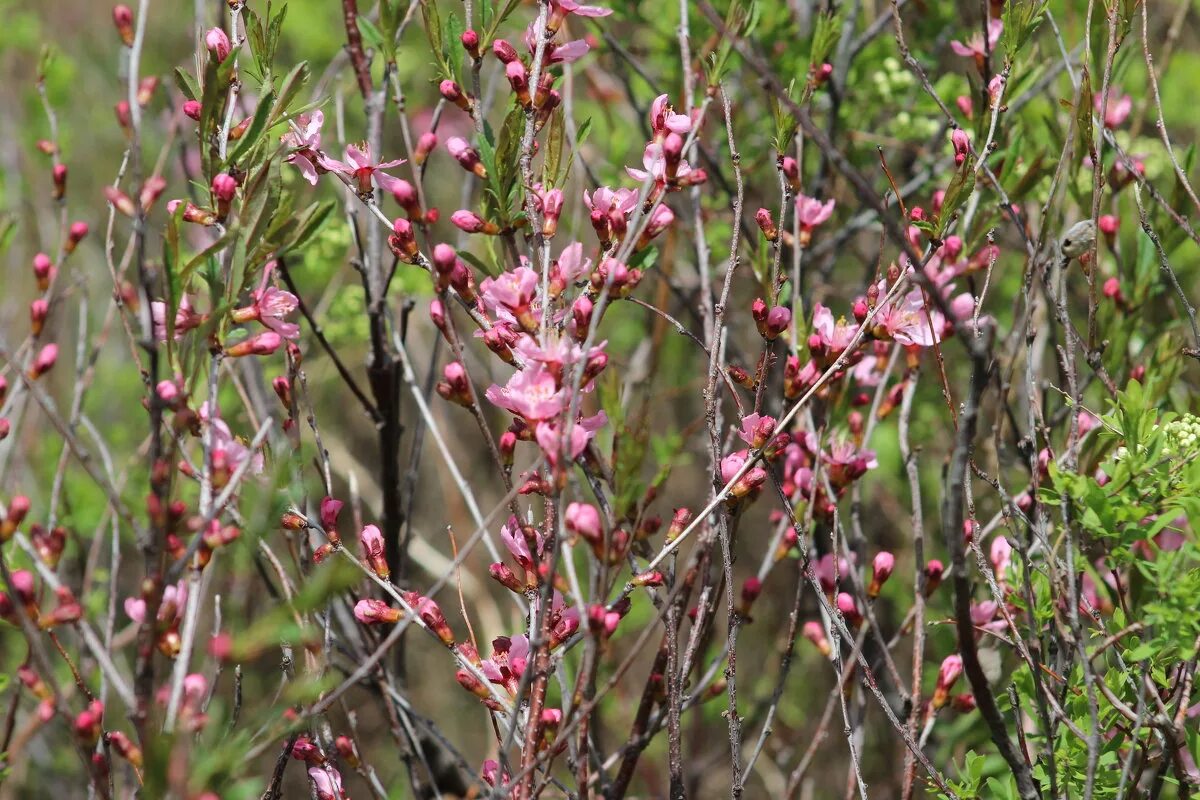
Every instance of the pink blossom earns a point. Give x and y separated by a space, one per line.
906 321
583 431
226 447
306 145
505 667
584 519
217 42
512 292
571 264
514 539
327 782
846 462
358 168
185 318
663 119
170 607
655 162
1119 106
1001 556
560 9
756 429
834 337
270 306
606 200
974 48
751 479
492 774
555 53
532 393
811 212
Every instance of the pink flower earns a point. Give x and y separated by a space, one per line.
812 212
948 675
492 774
513 536
570 266
556 53
560 9
327 782
505 667
373 548
511 295
170 607
664 120
225 447
605 200
270 307
1001 556
584 519
974 48
185 318
757 429
833 337
816 634
306 142
906 321
656 163
583 431
753 478
847 463
532 393
358 168
881 570
1119 106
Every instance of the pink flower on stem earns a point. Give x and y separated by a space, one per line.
327 782
560 9
811 212
370 611
745 481
270 307
847 463
567 53
261 344
358 168
948 675
373 548
511 296
881 570
975 46
815 633
306 143
584 520
664 120
583 431
532 393
906 321
757 430
830 338
226 448
185 318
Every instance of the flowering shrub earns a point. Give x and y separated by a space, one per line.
348 424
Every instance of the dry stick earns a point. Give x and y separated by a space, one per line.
710 415
952 523
918 612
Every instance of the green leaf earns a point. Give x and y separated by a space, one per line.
187 84
1085 143
375 37
311 222
291 86
555 137
433 31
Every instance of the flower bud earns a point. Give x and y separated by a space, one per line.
881 570
766 225
849 608
455 387
454 93
948 675
815 633
38 310
146 88
59 174
425 145
504 51
403 242
123 21
518 79
933 575
43 271
373 548
75 234
370 611
470 42
584 520
466 156
217 42
470 222
44 362
262 344
791 172
191 109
